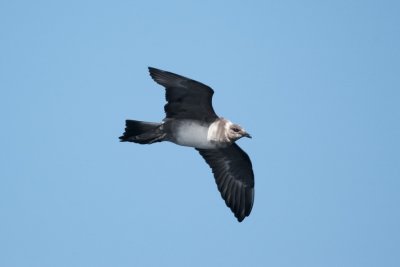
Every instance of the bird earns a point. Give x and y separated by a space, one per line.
192 122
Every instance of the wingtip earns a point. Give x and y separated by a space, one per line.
240 219
242 215
153 70
156 74
123 138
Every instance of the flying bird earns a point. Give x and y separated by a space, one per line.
191 121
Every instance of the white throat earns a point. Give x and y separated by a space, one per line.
218 131
194 134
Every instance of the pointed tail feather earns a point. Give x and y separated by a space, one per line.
142 132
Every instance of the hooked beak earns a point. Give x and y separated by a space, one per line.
247 135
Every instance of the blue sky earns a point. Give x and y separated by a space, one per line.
315 82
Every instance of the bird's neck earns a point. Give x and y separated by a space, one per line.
218 132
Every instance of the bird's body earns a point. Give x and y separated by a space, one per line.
191 121
192 133
197 134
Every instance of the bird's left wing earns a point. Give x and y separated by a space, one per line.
234 176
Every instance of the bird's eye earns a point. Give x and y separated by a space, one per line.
236 130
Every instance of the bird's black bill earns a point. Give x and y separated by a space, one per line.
247 135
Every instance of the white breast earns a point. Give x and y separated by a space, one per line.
194 135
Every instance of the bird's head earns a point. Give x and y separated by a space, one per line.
236 132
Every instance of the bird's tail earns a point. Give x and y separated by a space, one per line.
142 132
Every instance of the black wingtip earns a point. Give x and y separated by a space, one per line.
159 76
154 71
123 138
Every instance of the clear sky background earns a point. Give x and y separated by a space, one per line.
317 84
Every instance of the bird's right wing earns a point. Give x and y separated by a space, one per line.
187 99
234 176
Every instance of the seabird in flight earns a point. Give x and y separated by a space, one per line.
191 121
